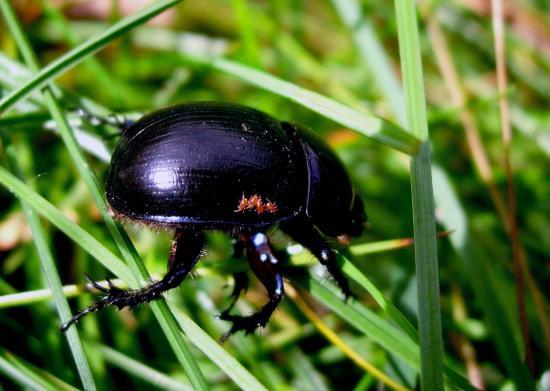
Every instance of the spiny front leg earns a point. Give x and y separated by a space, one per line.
305 233
185 251
264 265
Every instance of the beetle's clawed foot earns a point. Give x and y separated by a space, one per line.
349 295
116 296
246 323
343 284
224 315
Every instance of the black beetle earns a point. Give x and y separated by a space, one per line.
218 166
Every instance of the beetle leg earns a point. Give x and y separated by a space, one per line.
308 235
264 265
185 252
238 247
240 285
240 278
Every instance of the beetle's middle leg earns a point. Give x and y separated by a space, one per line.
264 265
185 251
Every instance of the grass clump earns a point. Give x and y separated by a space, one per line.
334 68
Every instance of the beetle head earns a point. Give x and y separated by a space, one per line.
345 224
357 217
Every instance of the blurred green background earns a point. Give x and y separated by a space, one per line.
347 50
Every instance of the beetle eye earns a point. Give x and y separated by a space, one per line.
357 217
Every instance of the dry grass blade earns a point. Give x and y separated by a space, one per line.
498 28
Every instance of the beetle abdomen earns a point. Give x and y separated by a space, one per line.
193 163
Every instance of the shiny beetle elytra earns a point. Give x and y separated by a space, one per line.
218 166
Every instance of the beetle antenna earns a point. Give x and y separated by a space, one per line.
118 121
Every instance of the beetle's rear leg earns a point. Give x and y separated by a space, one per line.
264 265
240 285
308 235
240 279
185 251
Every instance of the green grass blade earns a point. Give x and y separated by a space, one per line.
16 299
380 130
427 271
366 321
373 55
72 230
216 353
245 21
104 80
371 126
49 270
14 73
141 371
379 330
179 344
28 376
307 376
355 274
83 51
25 379
380 246
443 194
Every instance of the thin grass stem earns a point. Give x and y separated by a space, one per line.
427 270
